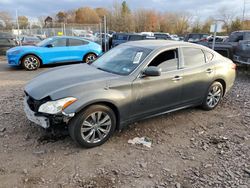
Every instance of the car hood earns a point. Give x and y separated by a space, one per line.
23 48
67 81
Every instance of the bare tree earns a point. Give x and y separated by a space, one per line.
86 15
6 19
227 16
23 21
183 22
207 24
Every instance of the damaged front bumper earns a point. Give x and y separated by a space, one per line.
46 120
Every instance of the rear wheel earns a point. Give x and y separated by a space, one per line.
89 58
31 62
213 97
93 126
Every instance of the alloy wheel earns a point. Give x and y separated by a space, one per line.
96 127
31 63
90 58
214 96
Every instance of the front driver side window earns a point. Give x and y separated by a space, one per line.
167 61
59 43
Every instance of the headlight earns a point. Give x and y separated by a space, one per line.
54 107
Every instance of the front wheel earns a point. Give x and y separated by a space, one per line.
213 97
89 58
31 62
93 126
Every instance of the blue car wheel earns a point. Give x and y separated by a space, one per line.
89 58
31 62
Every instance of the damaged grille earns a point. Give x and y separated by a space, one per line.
35 104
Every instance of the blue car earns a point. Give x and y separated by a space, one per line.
54 50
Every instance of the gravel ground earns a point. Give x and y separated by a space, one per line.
190 148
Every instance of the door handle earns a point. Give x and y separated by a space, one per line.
209 71
177 78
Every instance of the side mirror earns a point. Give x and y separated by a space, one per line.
152 71
49 46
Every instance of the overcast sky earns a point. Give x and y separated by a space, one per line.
200 8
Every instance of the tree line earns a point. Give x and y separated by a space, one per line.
121 18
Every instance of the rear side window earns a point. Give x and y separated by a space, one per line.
193 57
76 42
209 56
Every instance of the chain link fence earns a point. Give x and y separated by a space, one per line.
54 29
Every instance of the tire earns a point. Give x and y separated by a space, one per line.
89 58
31 62
88 134
213 96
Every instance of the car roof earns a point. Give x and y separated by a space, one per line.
241 31
69 37
156 44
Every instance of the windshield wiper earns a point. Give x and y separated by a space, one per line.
99 68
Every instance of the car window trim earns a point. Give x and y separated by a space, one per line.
209 61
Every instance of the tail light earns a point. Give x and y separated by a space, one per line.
234 66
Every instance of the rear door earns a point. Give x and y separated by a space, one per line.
198 74
77 49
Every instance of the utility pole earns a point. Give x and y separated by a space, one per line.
64 29
244 11
105 33
215 32
101 33
18 31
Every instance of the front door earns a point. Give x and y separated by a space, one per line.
156 94
57 53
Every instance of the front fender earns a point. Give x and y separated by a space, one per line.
30 53
114 97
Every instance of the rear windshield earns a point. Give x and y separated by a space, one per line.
196 37
161 35
120 37
135 37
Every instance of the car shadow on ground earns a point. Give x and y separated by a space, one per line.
128 131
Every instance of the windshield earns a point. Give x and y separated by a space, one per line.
122 60
44 42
